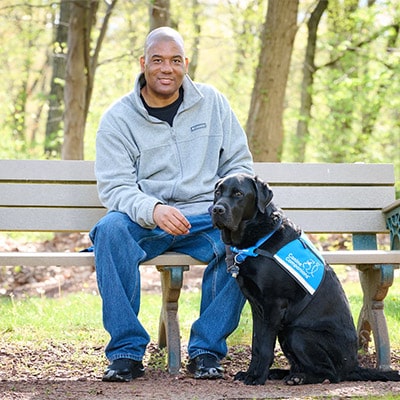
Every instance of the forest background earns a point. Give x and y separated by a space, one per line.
310 80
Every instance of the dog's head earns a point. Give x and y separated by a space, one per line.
237 199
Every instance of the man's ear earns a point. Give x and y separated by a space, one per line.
264 194
142 62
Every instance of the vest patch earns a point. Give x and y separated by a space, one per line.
303 261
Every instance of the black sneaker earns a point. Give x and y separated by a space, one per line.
123 370
205 366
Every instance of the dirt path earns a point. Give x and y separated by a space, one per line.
60 371
165 388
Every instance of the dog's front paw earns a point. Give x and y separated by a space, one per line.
278 374
240 376
295 379
248 378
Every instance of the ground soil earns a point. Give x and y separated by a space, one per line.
60 371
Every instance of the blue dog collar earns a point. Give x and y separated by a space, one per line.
242 254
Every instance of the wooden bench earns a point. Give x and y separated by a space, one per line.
61 196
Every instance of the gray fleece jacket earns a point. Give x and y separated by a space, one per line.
142 161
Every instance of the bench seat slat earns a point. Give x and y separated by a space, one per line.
345 257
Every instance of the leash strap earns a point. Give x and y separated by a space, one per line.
242 254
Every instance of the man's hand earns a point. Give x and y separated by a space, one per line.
171 220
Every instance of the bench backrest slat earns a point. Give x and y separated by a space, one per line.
288 197
47 170
326 174
310 173
56 195
50 219
83 219
332 197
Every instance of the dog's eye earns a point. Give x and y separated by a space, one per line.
217 192
237 193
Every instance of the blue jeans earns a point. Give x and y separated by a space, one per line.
120 245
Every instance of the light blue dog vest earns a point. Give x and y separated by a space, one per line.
299 258
303 261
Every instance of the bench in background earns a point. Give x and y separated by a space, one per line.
61 196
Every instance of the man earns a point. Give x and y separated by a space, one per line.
160 150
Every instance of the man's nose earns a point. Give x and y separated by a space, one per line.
166 66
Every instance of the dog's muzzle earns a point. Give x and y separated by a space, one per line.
218 209
218 215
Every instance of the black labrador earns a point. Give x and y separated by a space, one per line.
312 321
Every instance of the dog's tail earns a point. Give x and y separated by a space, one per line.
371 374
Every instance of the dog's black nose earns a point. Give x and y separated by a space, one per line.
218 210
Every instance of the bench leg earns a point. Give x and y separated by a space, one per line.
375 282
169 332
393 224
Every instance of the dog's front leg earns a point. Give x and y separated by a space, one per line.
262 353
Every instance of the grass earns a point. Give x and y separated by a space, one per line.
72 325
77 316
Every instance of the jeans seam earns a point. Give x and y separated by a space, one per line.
216 260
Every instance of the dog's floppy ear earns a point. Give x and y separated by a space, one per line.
217 183
264 194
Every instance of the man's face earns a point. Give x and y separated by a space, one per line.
164 66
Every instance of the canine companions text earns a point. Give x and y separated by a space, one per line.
294 295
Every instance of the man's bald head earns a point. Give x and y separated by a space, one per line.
164 33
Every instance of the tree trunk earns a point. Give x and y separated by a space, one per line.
265 121
302 132
159 14
75 83
196 41
80 73
56 98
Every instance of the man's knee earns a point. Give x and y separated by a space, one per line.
113 224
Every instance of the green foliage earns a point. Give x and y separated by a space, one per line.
354 121
355 92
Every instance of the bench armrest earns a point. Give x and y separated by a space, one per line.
392 215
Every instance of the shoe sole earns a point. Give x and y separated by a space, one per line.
113 376
211 374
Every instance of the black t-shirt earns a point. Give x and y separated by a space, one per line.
166 113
